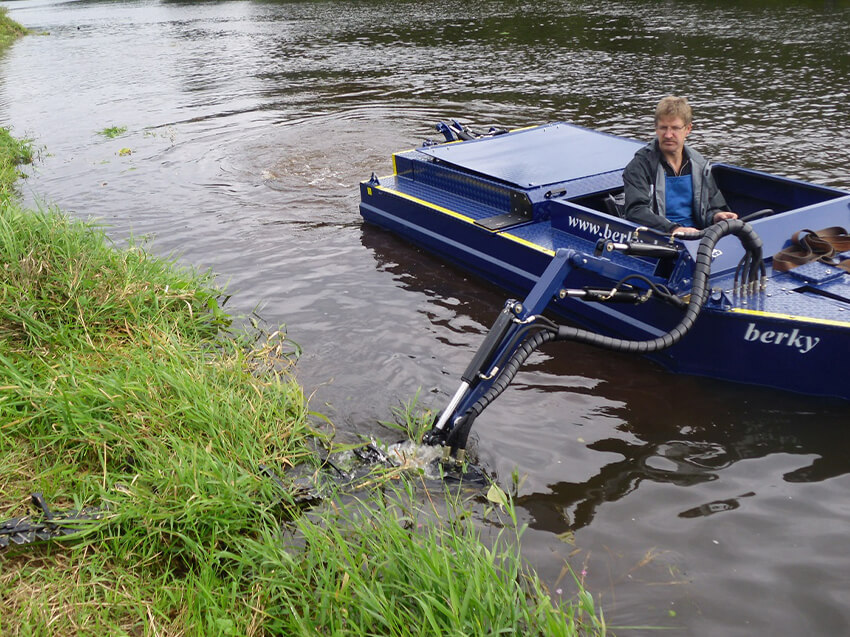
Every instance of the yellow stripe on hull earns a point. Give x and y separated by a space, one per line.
790 317
464 218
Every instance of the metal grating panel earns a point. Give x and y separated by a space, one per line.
463 184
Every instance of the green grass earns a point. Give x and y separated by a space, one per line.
13 153
410 419
123 388
124 385
9 29
387 566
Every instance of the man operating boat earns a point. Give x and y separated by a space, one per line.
668 184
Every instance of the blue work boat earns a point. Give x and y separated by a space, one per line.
764 301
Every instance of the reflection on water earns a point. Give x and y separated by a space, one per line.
250 125
686 462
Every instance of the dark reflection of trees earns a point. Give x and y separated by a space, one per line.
676 429
689 460
686 431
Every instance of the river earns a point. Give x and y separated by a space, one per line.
703 507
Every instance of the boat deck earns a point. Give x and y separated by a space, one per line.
813 292
789 295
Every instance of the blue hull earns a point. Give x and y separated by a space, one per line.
502 206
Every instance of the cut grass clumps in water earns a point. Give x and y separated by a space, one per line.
112 132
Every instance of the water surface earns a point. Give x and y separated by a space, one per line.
692 504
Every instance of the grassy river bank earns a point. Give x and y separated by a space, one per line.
125 386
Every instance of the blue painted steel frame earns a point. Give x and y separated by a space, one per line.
782 337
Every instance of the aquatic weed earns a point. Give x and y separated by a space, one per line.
111 132
411 419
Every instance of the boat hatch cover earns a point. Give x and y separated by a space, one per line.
539 156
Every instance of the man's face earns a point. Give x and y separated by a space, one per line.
671 133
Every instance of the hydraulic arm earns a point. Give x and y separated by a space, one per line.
514 322
521 328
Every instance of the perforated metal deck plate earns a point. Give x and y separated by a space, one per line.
816 272
787 295
539 156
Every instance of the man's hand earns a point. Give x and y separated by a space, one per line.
724 214
684 230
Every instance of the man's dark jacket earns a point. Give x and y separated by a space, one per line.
644 180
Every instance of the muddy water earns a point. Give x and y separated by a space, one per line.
691 504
